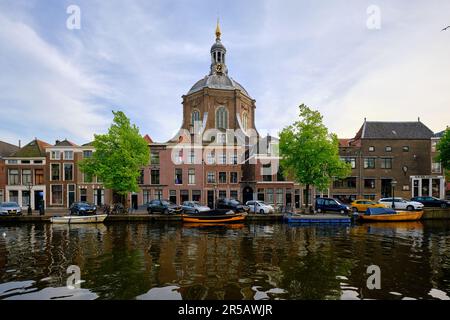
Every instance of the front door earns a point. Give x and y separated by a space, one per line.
297 199
288 199
211 198
71 194
386 188
38 199
134 201
247 194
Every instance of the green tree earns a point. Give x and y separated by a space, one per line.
119 155
443 148
309 153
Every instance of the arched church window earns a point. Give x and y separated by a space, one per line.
195 117
221 118
245 121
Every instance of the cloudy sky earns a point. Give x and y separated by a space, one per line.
141 56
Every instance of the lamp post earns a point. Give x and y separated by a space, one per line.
393 184
29 186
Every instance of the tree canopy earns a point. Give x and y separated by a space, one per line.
309 153
443 148
119 156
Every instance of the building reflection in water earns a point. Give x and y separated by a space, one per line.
251 261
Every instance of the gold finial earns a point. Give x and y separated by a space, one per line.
218 33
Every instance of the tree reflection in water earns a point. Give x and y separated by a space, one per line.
254 261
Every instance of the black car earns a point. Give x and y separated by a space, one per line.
432 202
232 204
330 204
82 209
163 206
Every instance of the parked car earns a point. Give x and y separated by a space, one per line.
9 208
361 205
261 207
163 206
193 207
432 202
232 204
401 204
330 204
82 209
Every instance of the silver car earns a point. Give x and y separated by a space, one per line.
194 207
10 208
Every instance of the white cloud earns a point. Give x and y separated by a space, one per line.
141 56
43 90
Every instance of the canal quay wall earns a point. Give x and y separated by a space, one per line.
429 214
277 217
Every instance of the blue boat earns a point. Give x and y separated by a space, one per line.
317 218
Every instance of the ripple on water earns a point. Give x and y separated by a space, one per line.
439 294
15 287
61 293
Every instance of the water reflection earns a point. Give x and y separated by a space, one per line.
246 261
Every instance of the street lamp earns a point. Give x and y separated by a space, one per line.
29 186
393 184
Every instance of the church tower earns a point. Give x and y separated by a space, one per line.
217 101
218 53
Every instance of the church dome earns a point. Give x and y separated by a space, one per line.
218 81
218 46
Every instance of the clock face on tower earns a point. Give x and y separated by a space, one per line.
219 68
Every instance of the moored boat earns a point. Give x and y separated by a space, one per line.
98 218
317 218
387 214
215 216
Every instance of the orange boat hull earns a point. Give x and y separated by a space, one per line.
194 219
400 216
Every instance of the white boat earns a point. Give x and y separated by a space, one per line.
98 218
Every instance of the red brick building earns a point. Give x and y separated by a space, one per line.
6 149
65 181
25 173
383 152
218 152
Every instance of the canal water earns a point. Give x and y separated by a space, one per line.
248 261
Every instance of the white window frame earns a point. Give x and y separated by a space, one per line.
22 180
53 154
221 138
68 158
51 194
18 177
51 171
211 157
208 174
64 171
191 176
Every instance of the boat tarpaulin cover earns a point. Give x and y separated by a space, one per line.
379 211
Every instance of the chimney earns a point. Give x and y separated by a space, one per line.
57 141
20 144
